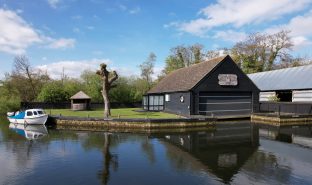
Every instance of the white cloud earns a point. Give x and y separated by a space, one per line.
122 7
299 27
72 68
230 35
135 10
97 52
239 13
90 27
54 3
76 30
15 34
61 43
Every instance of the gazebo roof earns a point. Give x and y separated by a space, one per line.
80 95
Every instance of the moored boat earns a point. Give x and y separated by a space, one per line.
29 116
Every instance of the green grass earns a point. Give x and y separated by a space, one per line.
116 113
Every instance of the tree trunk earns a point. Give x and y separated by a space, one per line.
107 85
106 104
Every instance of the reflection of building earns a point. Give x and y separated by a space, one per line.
222 152
301 135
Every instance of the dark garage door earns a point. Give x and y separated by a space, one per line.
223 104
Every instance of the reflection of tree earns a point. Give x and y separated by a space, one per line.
109 159
265 165
148 149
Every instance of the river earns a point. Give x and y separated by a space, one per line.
232 153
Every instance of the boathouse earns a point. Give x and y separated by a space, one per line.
288 85
285 90
80 101
216 87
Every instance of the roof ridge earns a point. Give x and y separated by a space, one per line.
187 77
296 67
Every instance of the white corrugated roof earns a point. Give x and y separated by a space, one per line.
284 79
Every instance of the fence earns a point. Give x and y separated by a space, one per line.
286 107
67 105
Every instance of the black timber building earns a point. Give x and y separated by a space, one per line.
216 87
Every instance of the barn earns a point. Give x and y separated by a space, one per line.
288 85
216 87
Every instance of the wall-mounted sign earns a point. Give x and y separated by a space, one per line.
181 99
227 79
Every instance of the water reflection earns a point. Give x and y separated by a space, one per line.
230 154
30 132
301 135
222 152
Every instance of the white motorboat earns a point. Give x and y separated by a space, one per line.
30 132
29 116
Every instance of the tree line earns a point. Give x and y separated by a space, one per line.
258 52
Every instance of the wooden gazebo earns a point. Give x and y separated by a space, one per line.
80 101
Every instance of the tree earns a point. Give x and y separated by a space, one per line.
124 92
92 85
53 92
183 56
107 84
9 97
259 52
25 79
147 68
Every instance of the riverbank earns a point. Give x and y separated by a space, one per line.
281 119
133 123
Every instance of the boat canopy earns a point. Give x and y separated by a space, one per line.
21 115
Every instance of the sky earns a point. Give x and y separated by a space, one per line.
78 35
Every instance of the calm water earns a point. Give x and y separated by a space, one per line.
231 154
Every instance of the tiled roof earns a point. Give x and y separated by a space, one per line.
80 95
186 78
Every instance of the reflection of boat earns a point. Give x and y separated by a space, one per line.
30 116
30 132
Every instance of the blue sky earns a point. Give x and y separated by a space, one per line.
79 34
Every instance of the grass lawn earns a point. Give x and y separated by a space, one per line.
122 113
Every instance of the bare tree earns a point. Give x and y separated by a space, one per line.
107 78
22 68
147 69
259 52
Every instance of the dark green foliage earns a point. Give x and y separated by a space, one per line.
92 85
128 90
53 92
9 101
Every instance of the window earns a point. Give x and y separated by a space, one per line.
40 112
35 113
156 102
29 113
145 102
167 97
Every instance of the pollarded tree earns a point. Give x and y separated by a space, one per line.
107 83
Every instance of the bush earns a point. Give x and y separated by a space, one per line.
53 92
8 102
